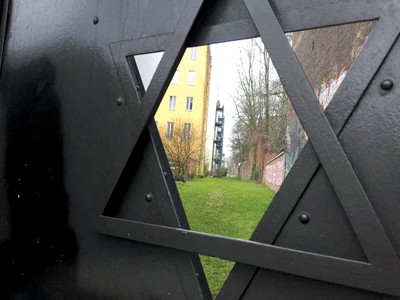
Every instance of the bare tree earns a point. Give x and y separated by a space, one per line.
278 104
240 145
250 93
260 102
184 145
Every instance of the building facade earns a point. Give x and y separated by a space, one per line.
182 115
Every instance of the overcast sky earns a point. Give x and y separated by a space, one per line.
224 79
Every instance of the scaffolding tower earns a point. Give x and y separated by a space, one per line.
218 141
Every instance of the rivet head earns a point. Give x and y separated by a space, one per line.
149 197
119 101
304 218
165 174
95 20
387 85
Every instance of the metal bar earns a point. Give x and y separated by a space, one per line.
379 43
331 269
339 110
303 15
167 208
144 112
173 215
324 140
223 33
175 203
141 45
3 29
168 177
169 63
172 212
237 282
274 218
293 17
122 53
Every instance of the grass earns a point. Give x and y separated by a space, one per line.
223 206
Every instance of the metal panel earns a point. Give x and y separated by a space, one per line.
89 209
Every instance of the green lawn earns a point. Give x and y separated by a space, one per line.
223 206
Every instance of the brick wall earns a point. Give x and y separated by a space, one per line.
274 172
263 154
326 55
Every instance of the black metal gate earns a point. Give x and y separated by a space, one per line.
89 208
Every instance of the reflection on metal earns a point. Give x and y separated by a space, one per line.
218 144
89 208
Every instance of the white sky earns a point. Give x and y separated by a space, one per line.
223 84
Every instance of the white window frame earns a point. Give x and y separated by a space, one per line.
189 103
170 130
172 102
193 53
175 78
186 131
191 77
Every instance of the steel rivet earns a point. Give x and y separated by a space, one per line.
119 101
138 88
95 20
304 218
387 85
165 174
149 197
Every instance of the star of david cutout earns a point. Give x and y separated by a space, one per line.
322 154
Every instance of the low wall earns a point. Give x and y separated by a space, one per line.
274 172
244 170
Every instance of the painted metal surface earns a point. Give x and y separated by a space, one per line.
89 209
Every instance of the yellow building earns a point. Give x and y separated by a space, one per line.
182 115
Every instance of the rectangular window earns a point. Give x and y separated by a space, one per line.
193 53
192 75
189 103
175 78
186 131
170 130
172 102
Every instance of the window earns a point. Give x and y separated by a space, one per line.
170 130
192 75
193 53
172 102
189 103
186 131
175 78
